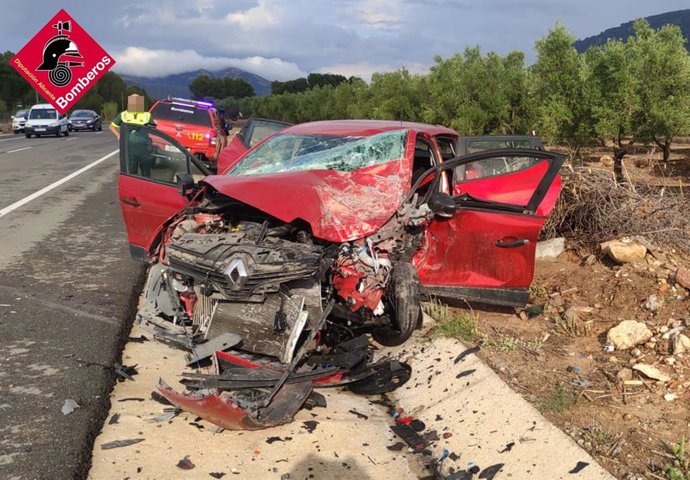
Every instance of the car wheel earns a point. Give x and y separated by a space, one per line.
58 133
93 127
404 296
100 127
27 135
67 132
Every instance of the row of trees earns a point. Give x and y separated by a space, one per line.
311 81
622 94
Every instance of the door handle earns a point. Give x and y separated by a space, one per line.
512 244
131 201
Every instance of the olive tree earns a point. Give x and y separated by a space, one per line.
558 92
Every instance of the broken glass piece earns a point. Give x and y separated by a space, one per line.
69 406
120 443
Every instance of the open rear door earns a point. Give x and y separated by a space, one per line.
149 163
485 251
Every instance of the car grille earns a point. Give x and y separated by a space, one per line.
205 258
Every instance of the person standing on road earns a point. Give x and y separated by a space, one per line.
139 161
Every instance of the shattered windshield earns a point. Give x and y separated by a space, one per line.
293 153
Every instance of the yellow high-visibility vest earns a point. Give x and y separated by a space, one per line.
137 118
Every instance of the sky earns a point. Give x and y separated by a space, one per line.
286 39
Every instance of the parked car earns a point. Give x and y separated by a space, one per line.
253 132
319 235
196 125
19 120
84 120
45 120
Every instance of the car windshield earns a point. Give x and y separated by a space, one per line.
182 113
294 153
42 114
81 114
22 113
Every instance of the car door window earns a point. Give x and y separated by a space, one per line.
491 167
152 156
257 130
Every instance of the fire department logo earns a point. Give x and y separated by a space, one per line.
62 61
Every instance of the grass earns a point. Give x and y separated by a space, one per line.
452 323
538 291
558 401
571 325
679 469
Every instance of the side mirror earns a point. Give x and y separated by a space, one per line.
185 185
12 117
442 205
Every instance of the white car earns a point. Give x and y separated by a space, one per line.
45 120
18 121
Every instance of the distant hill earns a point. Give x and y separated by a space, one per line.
177 85
622 32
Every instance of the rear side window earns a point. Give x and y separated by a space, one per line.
181 114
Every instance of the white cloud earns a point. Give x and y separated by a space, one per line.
261 16
379 14
146 62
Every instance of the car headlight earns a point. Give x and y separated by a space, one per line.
89 121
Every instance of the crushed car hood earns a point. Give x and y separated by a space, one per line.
339 206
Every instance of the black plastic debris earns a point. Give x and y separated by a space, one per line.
185 463
466 353
490 472
387 376
410 437
359 415
417 425
197 425
160 398
454 456
204 351
466 373
131 399
315 399
139 339
217 474
396 447
579 467
120 443
431 436
114 419
69 406
124 371
274 439
310 425
507 448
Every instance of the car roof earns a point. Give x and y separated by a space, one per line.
363 128
43 106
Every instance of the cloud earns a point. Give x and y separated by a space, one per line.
261 16
146 62
379 14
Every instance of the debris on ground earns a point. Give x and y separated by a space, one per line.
185 464
120 443
69 406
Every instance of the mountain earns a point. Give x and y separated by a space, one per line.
625 30
177 85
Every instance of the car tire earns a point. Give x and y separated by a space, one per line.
27 135
100 127
404 295
58 133
93 127
67 132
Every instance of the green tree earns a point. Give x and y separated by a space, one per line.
558 92
662 70
14 90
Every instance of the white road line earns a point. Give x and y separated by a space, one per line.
18 150
54 185
8 139
73 138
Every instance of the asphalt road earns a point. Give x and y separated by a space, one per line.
67 293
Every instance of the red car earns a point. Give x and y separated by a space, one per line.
196 125
334 228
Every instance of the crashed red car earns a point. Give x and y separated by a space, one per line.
327 231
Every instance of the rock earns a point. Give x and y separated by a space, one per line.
628 334
669 397
550 249
681 343
624 250
606 160
683 277
663 329
651 372
653 303
636 352
670 361
625 374
591 259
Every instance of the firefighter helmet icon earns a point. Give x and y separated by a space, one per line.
57 54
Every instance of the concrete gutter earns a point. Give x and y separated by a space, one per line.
480 411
